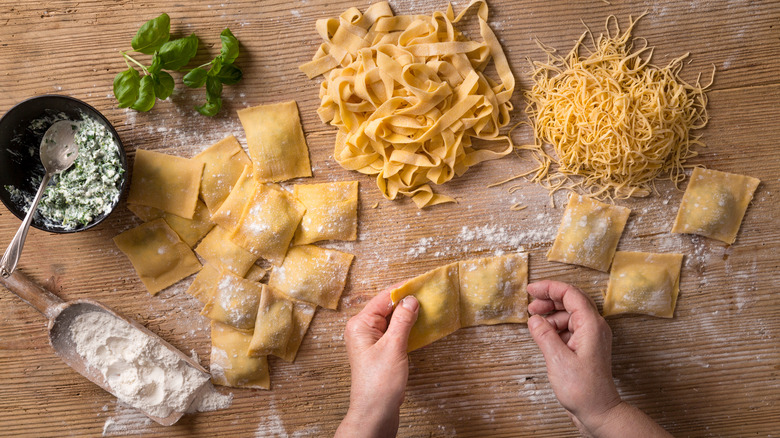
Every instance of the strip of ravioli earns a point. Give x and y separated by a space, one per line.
230 365
312 274
166 182
492 290
276 142
589 233
223 162
438 293
714 204
643 283
190 230
331 211
158 254
268 223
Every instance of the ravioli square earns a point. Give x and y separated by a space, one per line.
230 365
202 287
166 182
276 143
644 283
438 292
331 212
273 326
228 215
158 254
312 274
217 248
492 290
234 301
224 162
714 204
190 230
268 223
302 315
589 233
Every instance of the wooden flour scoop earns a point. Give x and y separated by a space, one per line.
61 314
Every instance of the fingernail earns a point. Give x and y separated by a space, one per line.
410 303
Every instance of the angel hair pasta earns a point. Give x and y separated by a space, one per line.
408 95
615 121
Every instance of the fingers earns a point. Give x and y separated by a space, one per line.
546 337
561 295
404 317
559 320
380 305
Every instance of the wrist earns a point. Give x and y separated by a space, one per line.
363 421
595 423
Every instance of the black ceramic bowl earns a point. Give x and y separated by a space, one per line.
17 163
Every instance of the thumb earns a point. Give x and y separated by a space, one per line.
548 340
404 317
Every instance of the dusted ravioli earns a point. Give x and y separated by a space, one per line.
255 273
589 233
643 283
276 142
158 254
331 212
302 315
202 287
190 230
166 182
438 292
228 215
230 365
312 274
223 162
217 248
273 326
714 204
234 301
492 290
268 223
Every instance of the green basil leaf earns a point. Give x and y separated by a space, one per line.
177 53
216 66
195 78
229 75
210 108
213 88
145 100
163 84
229 51
126 86
156 63
153 34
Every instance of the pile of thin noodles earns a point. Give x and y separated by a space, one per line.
615 121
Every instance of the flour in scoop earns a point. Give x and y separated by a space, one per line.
139 369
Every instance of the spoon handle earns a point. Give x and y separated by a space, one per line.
14 251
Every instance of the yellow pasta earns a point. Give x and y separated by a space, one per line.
615 121
408 95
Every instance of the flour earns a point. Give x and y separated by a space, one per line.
139 369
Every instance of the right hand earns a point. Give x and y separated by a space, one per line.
576 343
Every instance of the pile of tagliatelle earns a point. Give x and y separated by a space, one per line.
615 121
408 95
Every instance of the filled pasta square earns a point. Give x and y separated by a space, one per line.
643 283
230 364
273 326
312 274
331 212
218 249
223 162
234 301
492 290
166 182
190 230
589 233
714 204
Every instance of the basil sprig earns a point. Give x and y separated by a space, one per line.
140 92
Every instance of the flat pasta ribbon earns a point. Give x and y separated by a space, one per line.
408 95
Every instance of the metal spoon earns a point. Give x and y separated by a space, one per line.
61 315
58 152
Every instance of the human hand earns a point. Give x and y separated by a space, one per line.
577 346
379 364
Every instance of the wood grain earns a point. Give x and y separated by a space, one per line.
710 371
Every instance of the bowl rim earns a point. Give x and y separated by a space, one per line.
122 157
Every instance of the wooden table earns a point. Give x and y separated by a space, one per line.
710 371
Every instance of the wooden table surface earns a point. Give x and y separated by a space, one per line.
710 371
